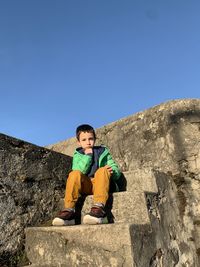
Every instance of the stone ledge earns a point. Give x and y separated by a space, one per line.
32 180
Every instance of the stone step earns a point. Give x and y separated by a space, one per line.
123 207
106 245
80 245
140 178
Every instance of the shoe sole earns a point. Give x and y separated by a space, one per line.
61 222
88 219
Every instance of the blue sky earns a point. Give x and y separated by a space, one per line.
64 63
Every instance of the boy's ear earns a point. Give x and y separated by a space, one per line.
78 143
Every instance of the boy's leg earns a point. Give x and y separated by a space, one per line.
76 183
101 182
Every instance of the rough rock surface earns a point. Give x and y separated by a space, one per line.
166 139
32 180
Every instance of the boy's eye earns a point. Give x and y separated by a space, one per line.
84 139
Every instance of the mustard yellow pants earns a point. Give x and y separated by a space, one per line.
78 183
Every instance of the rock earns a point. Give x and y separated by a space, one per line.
165 139
32 180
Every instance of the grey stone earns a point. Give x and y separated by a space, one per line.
160 150
97 245
32 180
164 139
102 245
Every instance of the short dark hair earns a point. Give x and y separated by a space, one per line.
84 128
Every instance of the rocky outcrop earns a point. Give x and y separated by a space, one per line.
165 139
32 180
160 138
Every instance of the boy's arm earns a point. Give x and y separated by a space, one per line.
110 162
81 162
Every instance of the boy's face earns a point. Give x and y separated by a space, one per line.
86 140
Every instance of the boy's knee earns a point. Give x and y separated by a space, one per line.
102 170
75 173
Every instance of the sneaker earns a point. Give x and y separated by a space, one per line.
64 217
97 215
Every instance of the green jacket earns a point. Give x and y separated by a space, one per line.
82 162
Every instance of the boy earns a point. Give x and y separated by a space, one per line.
92 170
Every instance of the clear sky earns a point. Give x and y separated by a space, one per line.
68 62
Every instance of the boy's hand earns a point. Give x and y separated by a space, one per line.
109 169
88 151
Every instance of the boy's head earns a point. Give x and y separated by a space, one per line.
86 136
